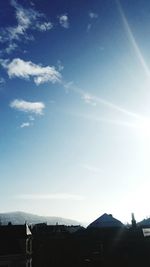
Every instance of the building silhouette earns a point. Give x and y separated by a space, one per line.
15 246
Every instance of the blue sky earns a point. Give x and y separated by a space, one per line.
75 116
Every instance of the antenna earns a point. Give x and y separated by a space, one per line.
133 221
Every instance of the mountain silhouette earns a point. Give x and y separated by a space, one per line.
19 217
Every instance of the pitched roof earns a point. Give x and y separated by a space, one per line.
106 220
145 222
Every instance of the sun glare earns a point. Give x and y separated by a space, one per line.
144 127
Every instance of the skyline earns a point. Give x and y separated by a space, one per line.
75 116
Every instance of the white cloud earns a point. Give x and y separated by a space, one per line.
57 196
93 15
27 19
26 69
45 26
63 20
30 18
28 107
25 124
11 47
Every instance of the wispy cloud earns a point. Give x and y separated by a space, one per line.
57 196
89 99
2 81
89 26
92 168
64 21
60 65
26 19
115 121
25 124
11 47
28 107
30 18
68 86
44 26
31 118
93 15
26 69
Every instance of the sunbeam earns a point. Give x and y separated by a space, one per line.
133 41
99 100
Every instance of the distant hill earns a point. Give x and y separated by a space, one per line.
20 217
